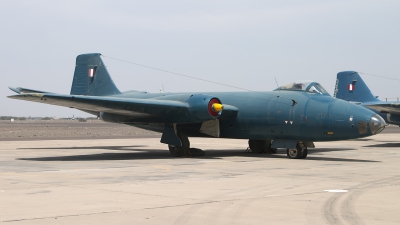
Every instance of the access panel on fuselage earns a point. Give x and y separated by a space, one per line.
281 117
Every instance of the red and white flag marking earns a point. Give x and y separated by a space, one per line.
91 72
350 87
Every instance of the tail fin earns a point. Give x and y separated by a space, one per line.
91 77
350 87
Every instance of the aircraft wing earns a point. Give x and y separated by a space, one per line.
144 110
393 108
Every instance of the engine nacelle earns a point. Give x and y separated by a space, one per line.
205 107
113 118
393 117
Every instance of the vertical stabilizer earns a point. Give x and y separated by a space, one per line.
350 87
91 77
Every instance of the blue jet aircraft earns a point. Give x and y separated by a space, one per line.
350 87
293 116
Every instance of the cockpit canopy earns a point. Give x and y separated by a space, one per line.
306 86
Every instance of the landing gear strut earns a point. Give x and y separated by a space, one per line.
300 152
184 150
261 146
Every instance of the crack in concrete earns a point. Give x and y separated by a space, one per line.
158 207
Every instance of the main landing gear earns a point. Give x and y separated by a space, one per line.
184 150
300 152
261 146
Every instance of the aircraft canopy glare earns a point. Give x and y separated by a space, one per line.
306 86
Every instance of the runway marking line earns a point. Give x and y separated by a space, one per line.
337 191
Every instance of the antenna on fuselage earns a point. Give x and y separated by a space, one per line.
196 78
277 86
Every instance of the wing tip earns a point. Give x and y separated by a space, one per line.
16 90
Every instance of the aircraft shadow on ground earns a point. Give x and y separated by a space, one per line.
142 154
117 148
385 145
361 139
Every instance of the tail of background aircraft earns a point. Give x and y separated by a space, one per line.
350 87
91 77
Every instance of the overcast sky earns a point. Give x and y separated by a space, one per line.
240 43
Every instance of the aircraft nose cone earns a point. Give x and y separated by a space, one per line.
377 124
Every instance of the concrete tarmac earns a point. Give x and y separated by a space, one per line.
136 181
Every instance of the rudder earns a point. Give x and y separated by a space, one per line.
91 77
350 87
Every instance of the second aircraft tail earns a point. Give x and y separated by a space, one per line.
350 87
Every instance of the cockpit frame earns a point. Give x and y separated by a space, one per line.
305 86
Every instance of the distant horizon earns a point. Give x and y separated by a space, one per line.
35 117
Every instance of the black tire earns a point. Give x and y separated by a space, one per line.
179 151
305 153
258 146
197 152
300 152
175 151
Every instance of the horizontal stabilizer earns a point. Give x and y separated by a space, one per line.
20 90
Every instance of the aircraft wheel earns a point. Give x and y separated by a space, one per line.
305 153
175 151
300 152
179 151
258 146
196 152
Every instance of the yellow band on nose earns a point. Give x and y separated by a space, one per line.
216 107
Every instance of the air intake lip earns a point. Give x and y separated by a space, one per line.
211 109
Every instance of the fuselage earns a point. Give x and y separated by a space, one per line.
271 115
